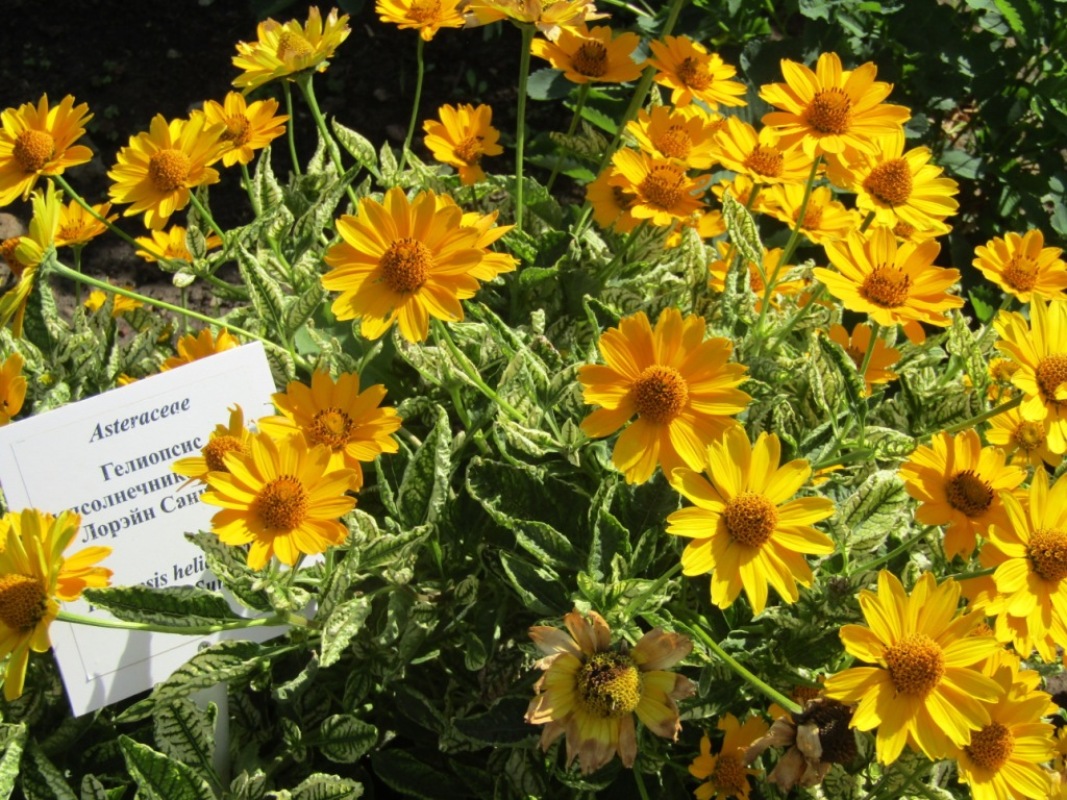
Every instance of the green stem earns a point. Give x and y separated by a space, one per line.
790 323
583 94
640 781
290 127
962 576
875 328
970 423
189 630
634 606
246 180
520 130
307 88
794 236
845 458
207 216
614 266
903 547
442 336
78 269
420 72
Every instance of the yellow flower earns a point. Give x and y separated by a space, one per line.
744 529
680 386
12 387
402 262
686 134
830 109
591 55
463 136
123 305
36 141
77 226
611 203
825 219
689 71
590 691
725 774
1040 349
1000 372
926 688
857 344
336 414
29 252
1023 266
663 192
194 347
1023 441
249 127
156 170
283 50
171 245
550 17
34 576
759 156
233 437
281 498
425 16
893 284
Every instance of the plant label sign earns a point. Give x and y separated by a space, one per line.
109 458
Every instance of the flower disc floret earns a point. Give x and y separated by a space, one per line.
609 685
916 664
33 149
1047 551
23 602
991 747
660 394
890 182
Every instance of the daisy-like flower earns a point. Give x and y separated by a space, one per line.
402 262
249 126
282 50
1040 349
1023 441
425 16
591 55
464 135
759 155
756 275
825 219
28 253
1000 371
744 528
663 192
680 386
156 170
926 688
724 773
611 204
857 344
959 483
686 134
550 17
38 140
336 414
78 227
194 347
830 109
233 437
171 245
12 387
1023 266
690 71
893 284
590 691
34 577
281 498
122 305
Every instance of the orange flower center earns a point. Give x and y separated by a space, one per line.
1020 273
168 170
215 451
903 230
764 160
33 149
238 130
425 11
886 286
591 59
660 394
1048 553
469 150
693 74
292 46
610 685
675 142
406 265
750 518
23 602
991 747
1029 435
890 182
812 216
729 776
7 252
331 427
830 111
663 186
968 493
916 664
282 503
1051 373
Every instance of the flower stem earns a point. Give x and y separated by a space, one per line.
903 547
420 72
307 87
520 130
975 420
187 630
794 236
78 269
583 94
207 216
290 127
442 336
246 180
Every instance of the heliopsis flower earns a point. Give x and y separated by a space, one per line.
34 576
1023 441
825 219
590 690
194 347
1023 266
170 245
680 386
960 484
724 773
758 155
689 71
549 16
893 284
687 134
896 186
12 387
336 414
425 16
402 262
78 227
611 204
282 50
662 190
156 170
830 109
591 55
857 344
744 528
757 283
249 126
462 138
233 437
1040 349
122 305
36 141
1000 371
925 689
29 252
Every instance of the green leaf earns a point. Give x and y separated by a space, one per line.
299 309
14 740
539 588
413 776
962 342
228 564
161 778
185 732
176 606
502 725
92 789
41 779
424 487
266 295
878 507
742 230
357 146
392 549
344 738
548 84
265 187
344 623
327 787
